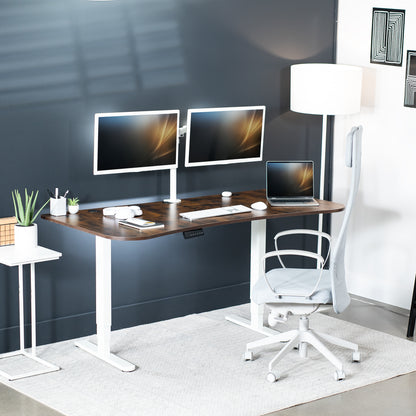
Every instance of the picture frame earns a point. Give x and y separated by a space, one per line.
387 36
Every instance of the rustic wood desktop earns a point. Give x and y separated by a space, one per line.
106 229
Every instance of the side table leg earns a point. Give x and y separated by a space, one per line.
33 306
21 310
103 309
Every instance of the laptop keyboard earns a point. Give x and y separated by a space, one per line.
293 202
287 200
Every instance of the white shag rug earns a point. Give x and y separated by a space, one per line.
194 366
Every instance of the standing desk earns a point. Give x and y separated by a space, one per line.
106 229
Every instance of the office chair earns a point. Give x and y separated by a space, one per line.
293 291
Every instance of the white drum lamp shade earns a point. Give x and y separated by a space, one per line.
328 89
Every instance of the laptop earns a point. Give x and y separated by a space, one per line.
290 183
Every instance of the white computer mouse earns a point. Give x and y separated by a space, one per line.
259 206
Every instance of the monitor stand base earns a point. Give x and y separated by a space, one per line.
172 201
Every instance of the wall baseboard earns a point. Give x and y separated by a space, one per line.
391 308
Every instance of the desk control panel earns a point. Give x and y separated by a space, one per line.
214 212
199 232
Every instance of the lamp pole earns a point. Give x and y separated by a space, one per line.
322 181
325 89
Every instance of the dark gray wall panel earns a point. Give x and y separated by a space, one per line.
61 61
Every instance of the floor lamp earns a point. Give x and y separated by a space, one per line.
325 89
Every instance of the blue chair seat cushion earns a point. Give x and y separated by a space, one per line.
293 282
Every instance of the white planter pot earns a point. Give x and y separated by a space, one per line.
26 237
73 209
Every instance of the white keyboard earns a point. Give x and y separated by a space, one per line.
214 212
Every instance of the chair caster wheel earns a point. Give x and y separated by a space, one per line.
356 357
339 375
272 377
249 356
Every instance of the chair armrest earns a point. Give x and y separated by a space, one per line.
301 253
303 231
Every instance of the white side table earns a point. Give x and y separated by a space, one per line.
11 256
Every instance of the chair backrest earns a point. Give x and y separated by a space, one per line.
340 296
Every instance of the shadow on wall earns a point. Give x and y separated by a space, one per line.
368 96
59 51
288 47
367 217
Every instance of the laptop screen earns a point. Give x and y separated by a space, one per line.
289 179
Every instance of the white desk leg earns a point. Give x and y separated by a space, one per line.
258 249
21 310
103 308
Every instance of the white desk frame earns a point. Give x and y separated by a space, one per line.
103 309
11 256
258 250
104 304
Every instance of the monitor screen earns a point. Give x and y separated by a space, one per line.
219 136
135 141
289 179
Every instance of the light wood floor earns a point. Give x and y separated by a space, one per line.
391 397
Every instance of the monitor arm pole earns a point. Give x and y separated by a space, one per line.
173 196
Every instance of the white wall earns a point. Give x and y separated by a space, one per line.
381 251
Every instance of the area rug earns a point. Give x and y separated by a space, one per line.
194 366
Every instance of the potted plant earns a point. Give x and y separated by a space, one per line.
26 231
73 205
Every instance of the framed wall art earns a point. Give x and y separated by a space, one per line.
387 36
410 81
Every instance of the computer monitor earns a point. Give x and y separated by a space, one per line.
135 141
220 136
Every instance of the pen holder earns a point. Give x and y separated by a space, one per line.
58 206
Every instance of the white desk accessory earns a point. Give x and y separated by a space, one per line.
58 206
123 213
259 206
